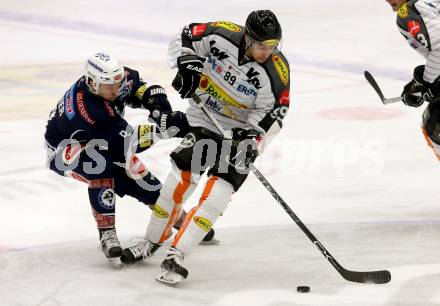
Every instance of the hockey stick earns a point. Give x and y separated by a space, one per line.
376 87
376 277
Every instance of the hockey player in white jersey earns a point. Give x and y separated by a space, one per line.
419 23
242 78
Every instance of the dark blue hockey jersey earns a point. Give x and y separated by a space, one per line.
83 116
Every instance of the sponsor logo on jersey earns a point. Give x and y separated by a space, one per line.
198 30
413 28
403 11
69 107
414 44
222 109
284 98
221 55
247 91
214 65
82 108
252 78
226 25
71 152
145 136
234 69
203 223
160 212
281 68
208 86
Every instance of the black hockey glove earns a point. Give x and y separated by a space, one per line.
412 95
155 98
174 123
187 78
430 91
244 147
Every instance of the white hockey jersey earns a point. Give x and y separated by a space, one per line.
238 91
419 23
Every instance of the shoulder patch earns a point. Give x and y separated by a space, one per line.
69 106
413 28
226 25
281 69
284 98
198 30
403 11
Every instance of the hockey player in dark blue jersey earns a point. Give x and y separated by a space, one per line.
88 139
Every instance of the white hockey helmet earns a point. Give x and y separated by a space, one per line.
103 68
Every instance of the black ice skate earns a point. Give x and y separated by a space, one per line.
172 270
110 246
210 239
139 252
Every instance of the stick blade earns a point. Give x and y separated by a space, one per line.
371 277
370 79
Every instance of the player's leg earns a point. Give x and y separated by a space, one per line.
97 171
178 186
210 237
139 183
199 221
213 202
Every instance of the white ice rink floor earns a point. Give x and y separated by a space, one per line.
358 174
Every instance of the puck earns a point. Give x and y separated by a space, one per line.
303 289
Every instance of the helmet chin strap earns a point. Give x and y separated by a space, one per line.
93 86
248 45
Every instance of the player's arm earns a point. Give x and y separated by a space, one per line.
425 85
423 25
266 118
188 51
273 99
154 98
138 94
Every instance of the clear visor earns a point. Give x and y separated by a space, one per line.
269 45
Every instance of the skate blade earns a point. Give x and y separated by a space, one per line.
169 278
115 262
213 241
